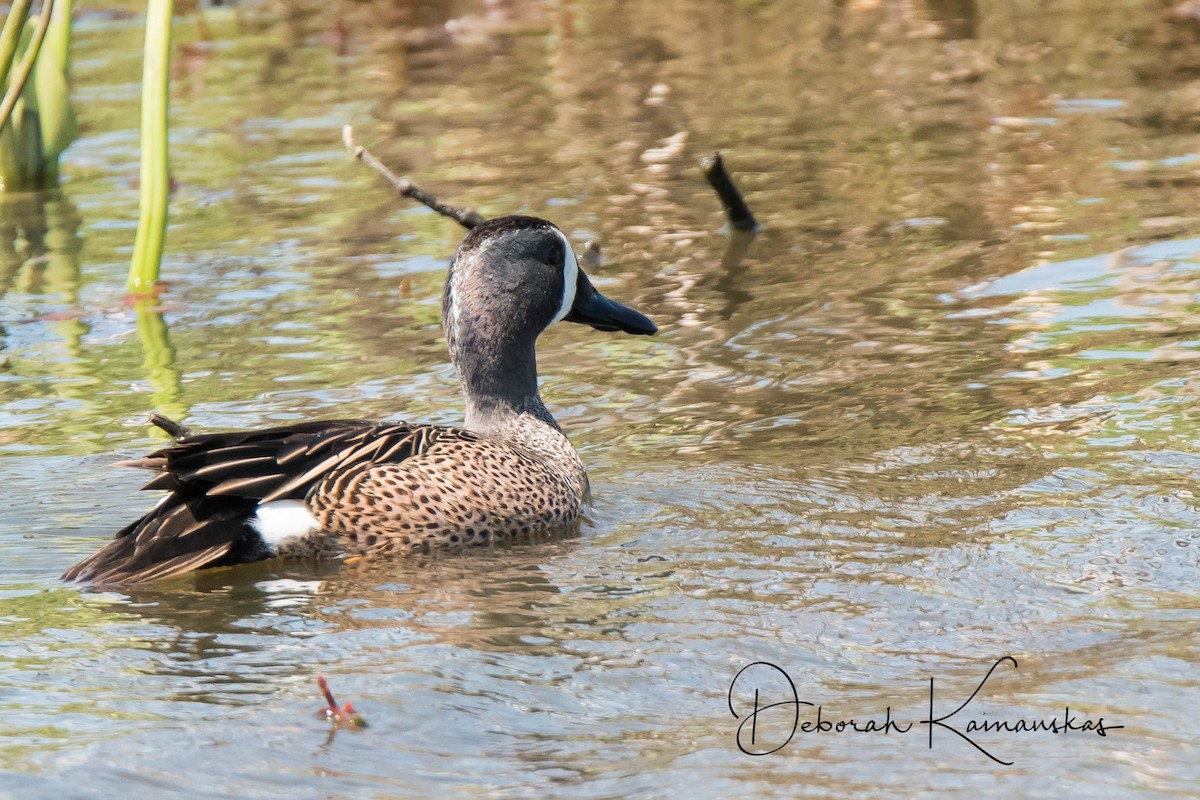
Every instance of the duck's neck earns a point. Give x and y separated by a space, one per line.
500 418
523 422
499 381
497 366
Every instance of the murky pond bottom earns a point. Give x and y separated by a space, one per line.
939 419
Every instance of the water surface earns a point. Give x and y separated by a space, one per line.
942 410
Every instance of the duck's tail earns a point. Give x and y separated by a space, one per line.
239 496
185 531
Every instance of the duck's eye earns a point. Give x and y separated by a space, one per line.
552 254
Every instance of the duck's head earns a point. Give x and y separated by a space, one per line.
514 277
511 279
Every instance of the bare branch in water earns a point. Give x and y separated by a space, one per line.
176 430
406 188
735 206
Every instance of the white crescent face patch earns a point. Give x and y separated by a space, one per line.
570 279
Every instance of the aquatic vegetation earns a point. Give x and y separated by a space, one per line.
343 716
37 121
155 165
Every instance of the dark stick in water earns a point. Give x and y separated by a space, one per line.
176 430
406 188
735 207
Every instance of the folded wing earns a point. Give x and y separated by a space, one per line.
215 483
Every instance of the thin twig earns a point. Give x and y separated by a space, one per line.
26 67
735 207
176 430
406 188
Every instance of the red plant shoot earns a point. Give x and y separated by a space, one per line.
343 716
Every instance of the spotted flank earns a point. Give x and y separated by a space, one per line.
349 488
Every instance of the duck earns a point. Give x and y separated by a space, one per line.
347 488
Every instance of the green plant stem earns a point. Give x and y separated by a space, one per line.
10 37
155 174
27 61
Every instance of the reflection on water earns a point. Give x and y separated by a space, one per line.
942 409
159 358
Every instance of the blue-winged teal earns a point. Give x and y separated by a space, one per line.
354 487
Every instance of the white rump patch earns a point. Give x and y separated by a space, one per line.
281 521
570 279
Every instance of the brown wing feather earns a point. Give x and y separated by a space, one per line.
216 481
